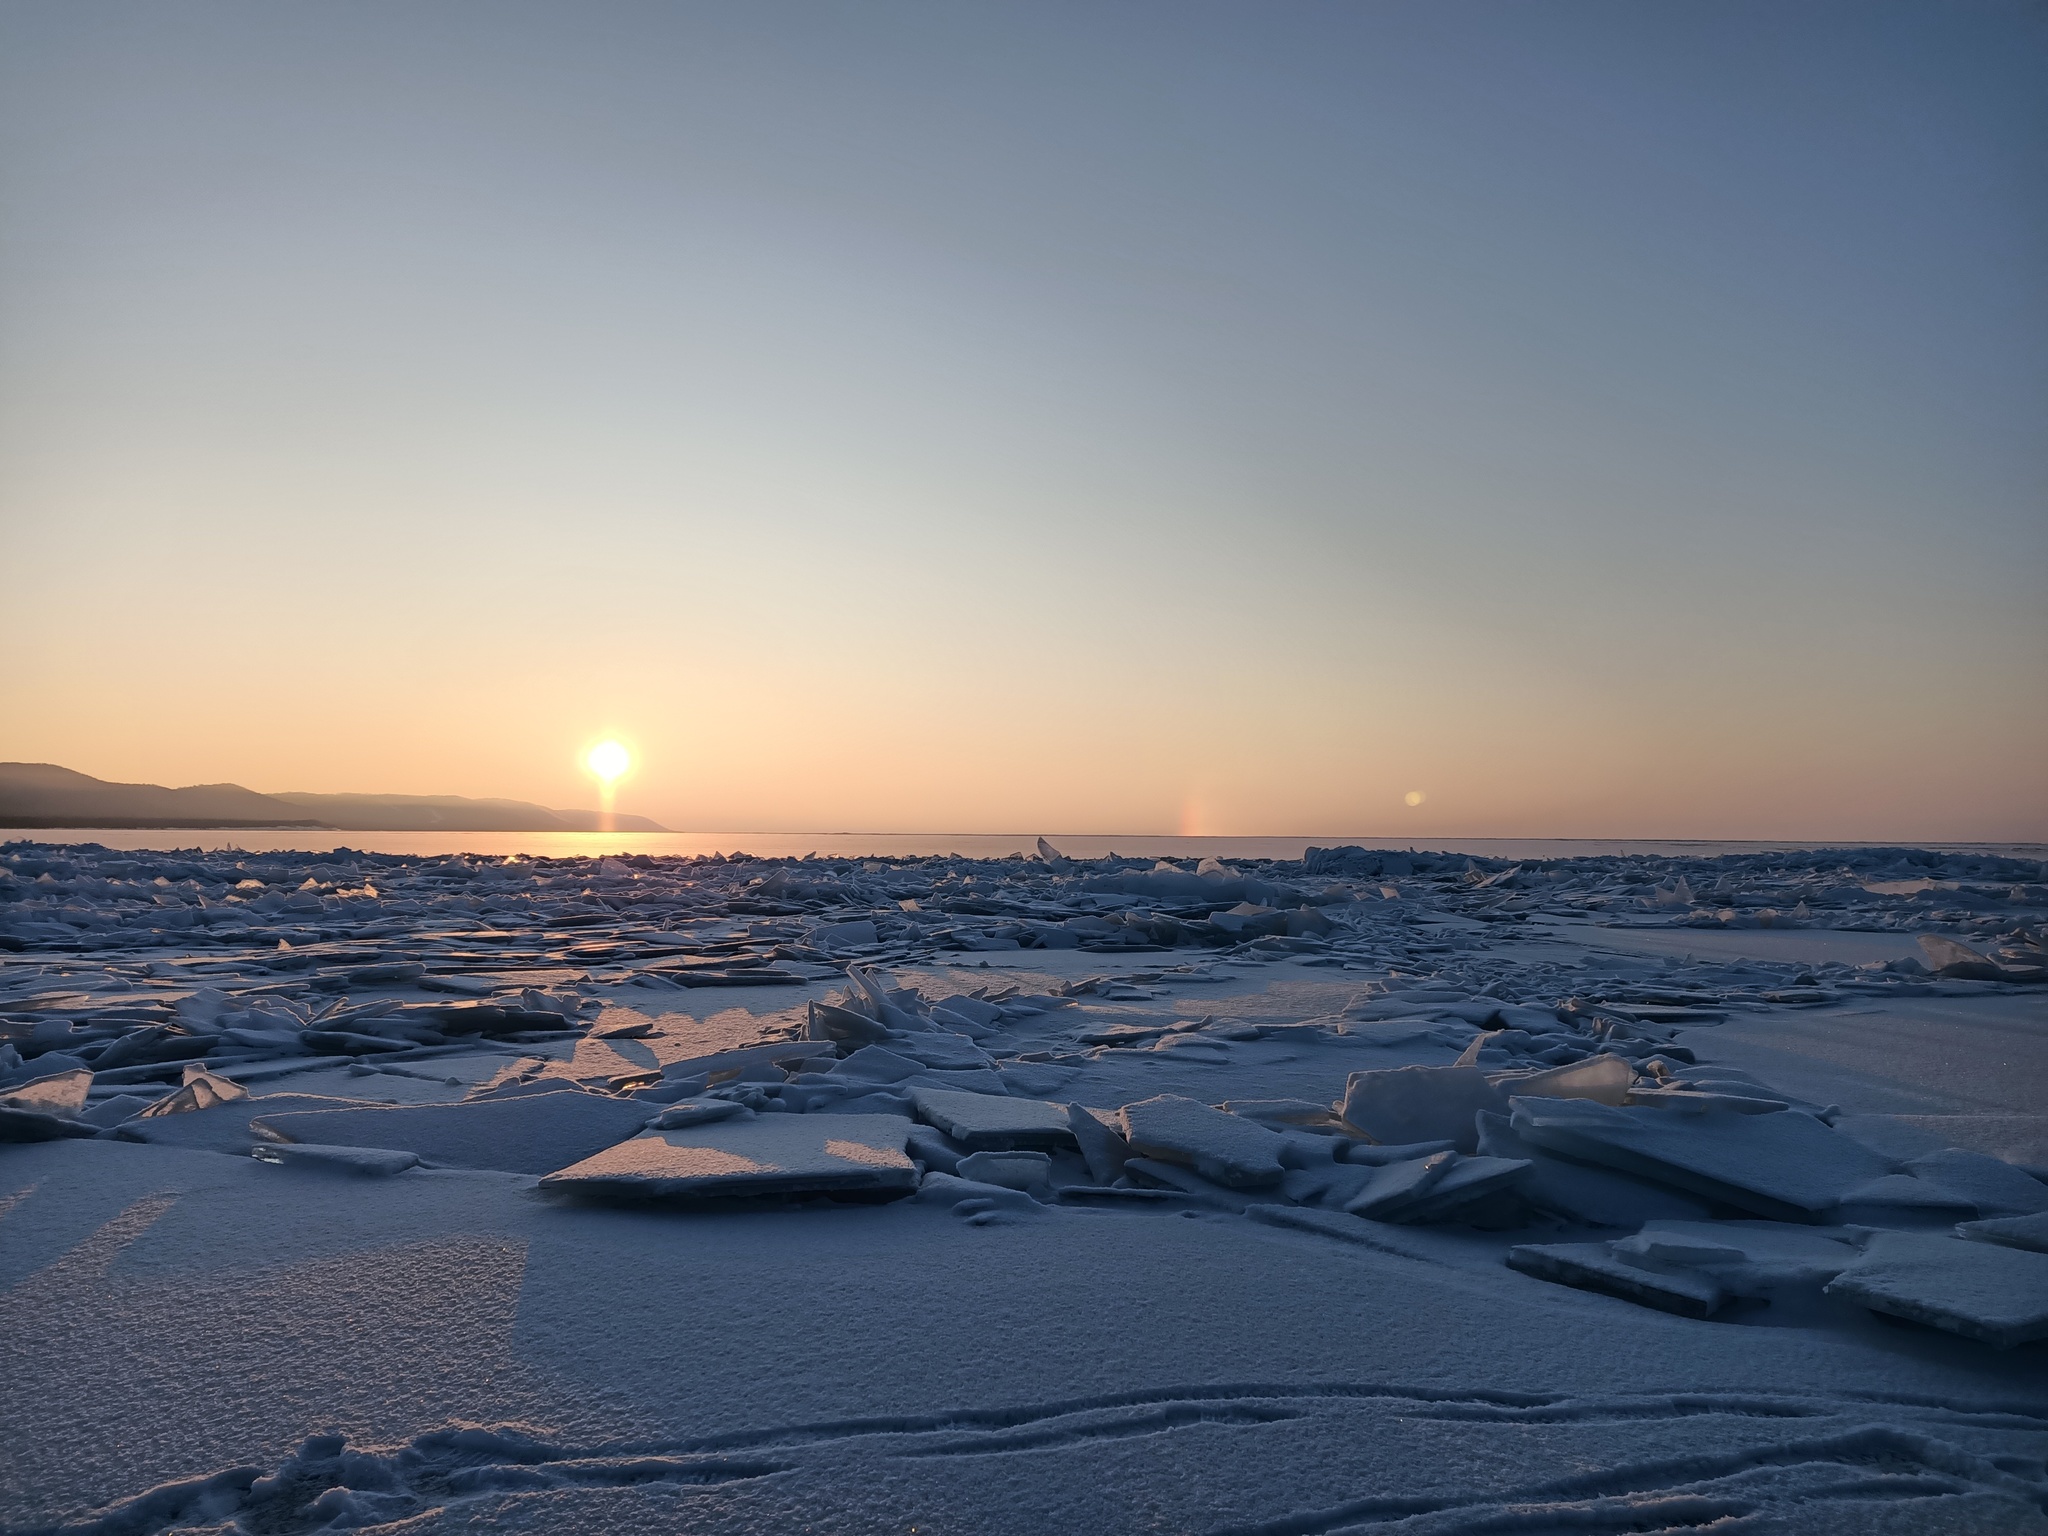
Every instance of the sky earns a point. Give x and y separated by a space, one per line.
1455 418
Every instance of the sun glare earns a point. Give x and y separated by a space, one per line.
608 760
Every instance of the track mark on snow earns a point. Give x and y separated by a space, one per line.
1055 1434
1868 1463
326 1485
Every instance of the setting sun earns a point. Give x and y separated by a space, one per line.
608 760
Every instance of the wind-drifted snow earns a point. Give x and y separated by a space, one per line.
1371 1190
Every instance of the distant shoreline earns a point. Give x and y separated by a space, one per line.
167 824
502 843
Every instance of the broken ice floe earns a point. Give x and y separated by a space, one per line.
844 1156
1223 1148
1539 1095
534 1134
1694 1268
986 1122
370 1162
1785 1166
1986 1291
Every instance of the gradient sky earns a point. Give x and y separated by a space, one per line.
1607 419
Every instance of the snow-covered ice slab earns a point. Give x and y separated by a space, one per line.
534 1133
46 1108
1693 1268
1994 1186
370 1162
1404 1104
1582 1192
58 1093
1468 1183
1441 1186
1647 1282
2030 1232
1982 1291
845 1155
1221 1147
1750 1257
1785 1166
2012 1138
226 1127
200 1090
1900 1200
35 1125
988 1122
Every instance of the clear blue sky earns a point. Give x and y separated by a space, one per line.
1607 419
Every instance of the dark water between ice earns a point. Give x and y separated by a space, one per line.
909 844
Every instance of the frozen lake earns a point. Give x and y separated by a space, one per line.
973 845
434 1194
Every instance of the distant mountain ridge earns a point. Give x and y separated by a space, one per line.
449 813
45 795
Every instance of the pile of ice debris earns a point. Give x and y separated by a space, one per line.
145 996
694 917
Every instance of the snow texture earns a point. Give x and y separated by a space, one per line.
1377 1189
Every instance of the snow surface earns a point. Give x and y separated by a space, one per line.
1018 1195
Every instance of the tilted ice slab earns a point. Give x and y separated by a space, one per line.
1413 1190
1785 1166
369 1162
1994 1186
227 1127
987 1122
1222 1147
1405 1104
534 1133
1692 1268
1980 1290
57 1093
1596 1267
2030 1232
1600 1197
856 1155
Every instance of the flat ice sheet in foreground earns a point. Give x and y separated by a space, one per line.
1784 1166
534 1133
1980 1290
737 1159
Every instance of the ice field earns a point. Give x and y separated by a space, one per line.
1368 1191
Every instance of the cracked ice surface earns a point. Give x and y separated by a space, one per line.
346 1191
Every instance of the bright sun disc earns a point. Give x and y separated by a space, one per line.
608 760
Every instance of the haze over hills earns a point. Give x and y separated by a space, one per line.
45 795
